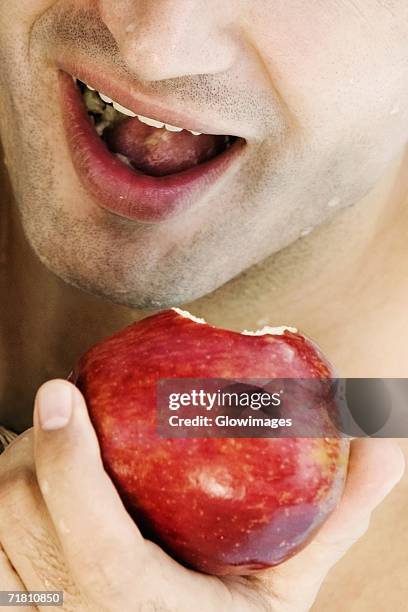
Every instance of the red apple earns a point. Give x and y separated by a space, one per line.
219 505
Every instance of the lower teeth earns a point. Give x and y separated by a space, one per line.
101 126
124 159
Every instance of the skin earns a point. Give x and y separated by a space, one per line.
322 128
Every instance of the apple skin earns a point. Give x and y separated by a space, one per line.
221 506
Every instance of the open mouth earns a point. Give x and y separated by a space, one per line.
150 146
138 167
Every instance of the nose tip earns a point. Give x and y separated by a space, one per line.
159 54
154 58
169 39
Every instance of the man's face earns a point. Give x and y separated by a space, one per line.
312 95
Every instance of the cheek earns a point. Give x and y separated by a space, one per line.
20 15
337 69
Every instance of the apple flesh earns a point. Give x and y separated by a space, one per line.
221 506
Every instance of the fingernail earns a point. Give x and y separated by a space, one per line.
54 404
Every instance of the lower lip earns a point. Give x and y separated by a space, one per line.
126 192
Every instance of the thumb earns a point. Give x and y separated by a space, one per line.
91 522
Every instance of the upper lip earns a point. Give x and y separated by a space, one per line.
130 95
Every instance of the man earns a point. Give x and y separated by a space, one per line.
248 157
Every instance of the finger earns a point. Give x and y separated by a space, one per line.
9 580
22 513
375 467
95 531
26 531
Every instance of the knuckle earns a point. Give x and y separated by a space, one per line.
363 527
343 542
17 469
15 481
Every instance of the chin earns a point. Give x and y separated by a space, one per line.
142 300
142 291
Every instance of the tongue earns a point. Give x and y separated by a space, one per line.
159 152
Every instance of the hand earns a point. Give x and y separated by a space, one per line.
63 527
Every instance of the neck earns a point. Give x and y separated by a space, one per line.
343 285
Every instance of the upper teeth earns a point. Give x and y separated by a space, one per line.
123 110
146 120
104 98
151 122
